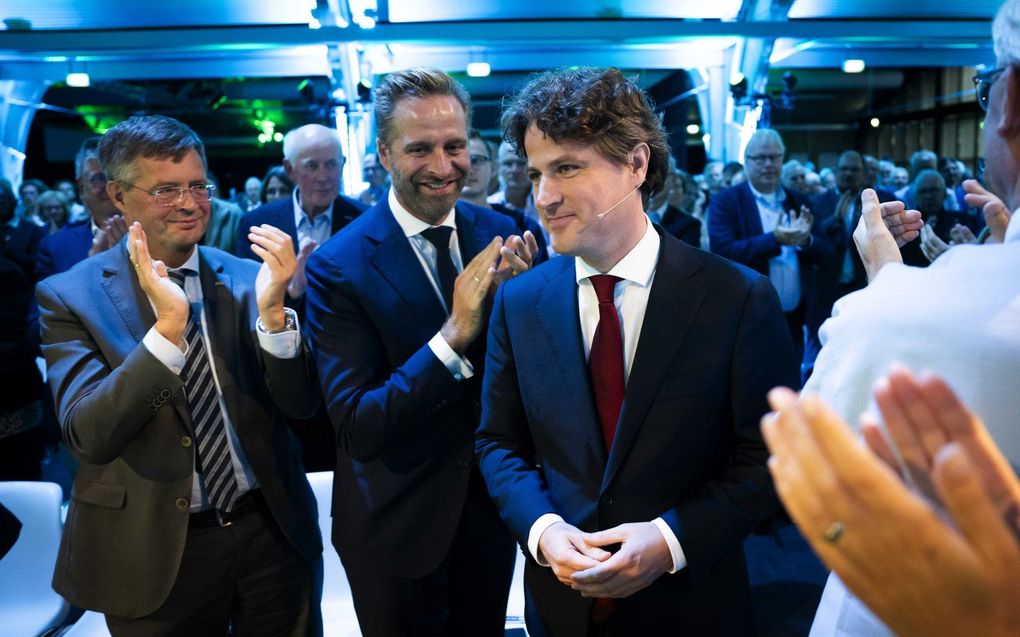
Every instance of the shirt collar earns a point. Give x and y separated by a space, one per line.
191 263
636 266
778 195
412 225
300 214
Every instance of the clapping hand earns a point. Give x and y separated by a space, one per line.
168 298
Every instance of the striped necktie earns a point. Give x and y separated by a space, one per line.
214 458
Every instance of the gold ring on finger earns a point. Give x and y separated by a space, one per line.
834 532
477 280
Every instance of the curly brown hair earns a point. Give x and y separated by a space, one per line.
592 106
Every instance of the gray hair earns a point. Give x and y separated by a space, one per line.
1006 33
89 150
148 136
419 82
766 133
295 139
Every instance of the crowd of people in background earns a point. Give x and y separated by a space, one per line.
437 469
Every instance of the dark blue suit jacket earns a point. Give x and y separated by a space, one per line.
688 447
405 426
60 251
735 231
21 244
280 214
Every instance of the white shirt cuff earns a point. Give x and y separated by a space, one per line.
459 366
285 344
165 351
537 529
675 550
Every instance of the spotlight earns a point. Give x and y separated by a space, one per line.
875 122
853 66
478 69
77 80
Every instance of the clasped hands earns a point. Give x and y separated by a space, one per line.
797 230
171 303
581 561
495 264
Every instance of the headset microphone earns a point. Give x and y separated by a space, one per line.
617 204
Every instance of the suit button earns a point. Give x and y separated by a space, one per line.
164 394
185 441
607 500
182 503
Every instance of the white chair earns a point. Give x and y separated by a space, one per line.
338 617
28 604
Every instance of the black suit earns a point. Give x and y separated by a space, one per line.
408 503
682 225
687 449
21 242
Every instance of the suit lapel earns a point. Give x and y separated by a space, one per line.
471 238
395 261
673 305
343 214
561 325
753 217
121 285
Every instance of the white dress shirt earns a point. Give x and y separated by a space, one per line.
319 229
784 271
284 344
636 271
412 226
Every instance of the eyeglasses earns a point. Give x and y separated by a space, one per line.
983 85
478 160
761 159
173 195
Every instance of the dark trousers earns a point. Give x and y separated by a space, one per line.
465 596
245 577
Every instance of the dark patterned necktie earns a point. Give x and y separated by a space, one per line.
214 459
605 363
440 238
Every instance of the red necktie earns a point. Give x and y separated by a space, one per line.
605 364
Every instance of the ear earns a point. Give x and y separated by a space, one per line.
115 190
383 152
1010 126
640 155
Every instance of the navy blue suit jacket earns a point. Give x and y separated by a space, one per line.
60 251
688 447
735 231
280 214
405 426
